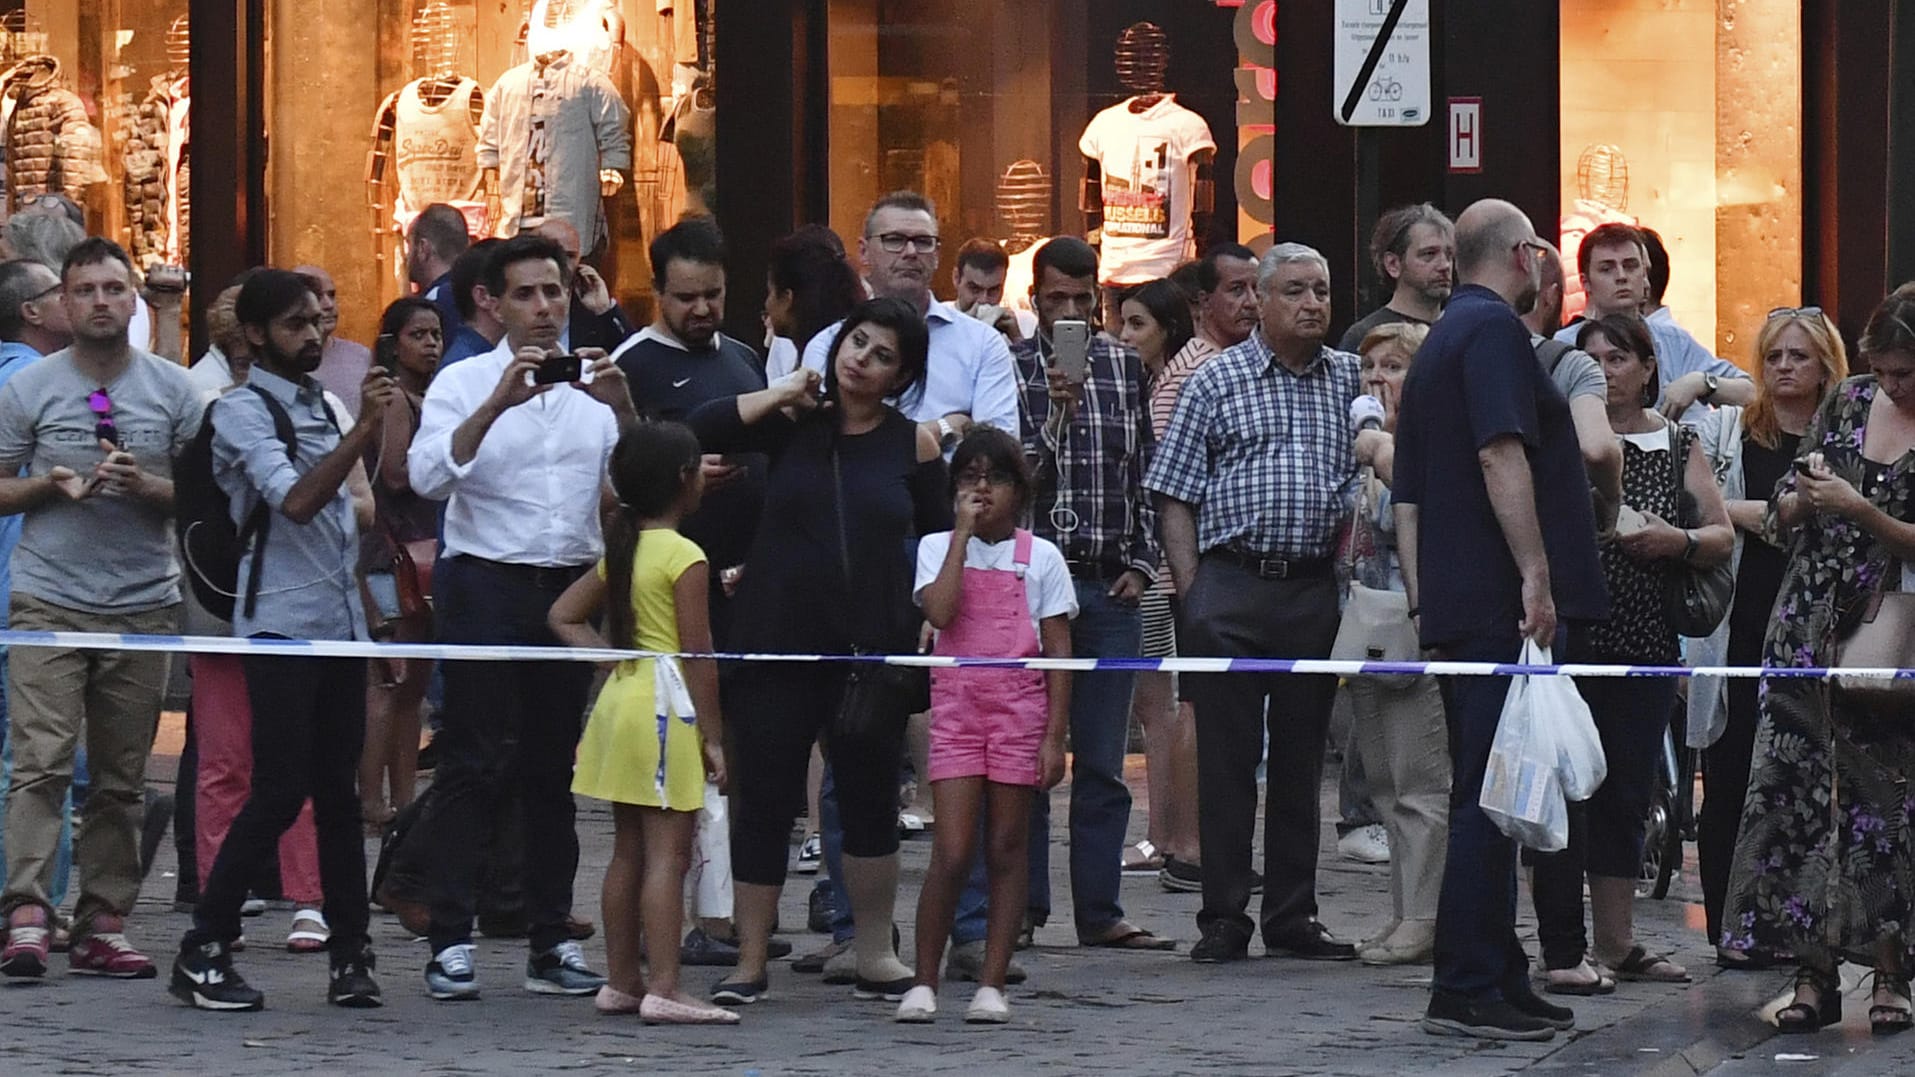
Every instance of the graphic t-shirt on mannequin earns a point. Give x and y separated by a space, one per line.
1148 184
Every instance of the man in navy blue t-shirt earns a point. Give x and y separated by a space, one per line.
1492 498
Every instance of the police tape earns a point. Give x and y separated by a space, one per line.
485 652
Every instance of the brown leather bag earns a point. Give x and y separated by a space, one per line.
1885 639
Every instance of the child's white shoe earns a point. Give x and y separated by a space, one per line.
987 1008
918 1007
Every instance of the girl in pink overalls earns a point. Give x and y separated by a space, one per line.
991 590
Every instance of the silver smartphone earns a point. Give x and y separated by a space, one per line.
1070 343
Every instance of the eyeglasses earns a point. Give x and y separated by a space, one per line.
1795 312
1537 245
896 242
102 407
996 476
36 298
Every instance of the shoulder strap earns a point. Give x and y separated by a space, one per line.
1551 352
282 422
1021 552
1678 459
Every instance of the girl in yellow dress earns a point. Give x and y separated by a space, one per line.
655 735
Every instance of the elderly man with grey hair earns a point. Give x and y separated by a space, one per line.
1250 479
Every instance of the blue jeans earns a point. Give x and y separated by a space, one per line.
1100 801
831 837
1477 951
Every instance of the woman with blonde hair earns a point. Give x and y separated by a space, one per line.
1799 357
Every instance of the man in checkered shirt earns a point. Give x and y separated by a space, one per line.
1250 480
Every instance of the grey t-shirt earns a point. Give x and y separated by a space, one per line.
1576 374
106 553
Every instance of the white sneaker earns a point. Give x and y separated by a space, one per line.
987 1008
1366 845
918 1007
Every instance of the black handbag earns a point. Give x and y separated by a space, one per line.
1694 599
875 695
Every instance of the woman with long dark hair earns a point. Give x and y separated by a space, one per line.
809 285
852 482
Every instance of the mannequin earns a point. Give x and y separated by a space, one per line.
593 30
1602 182
50 145
156 174
1024 207
428 131
1147 183
691 112
557 156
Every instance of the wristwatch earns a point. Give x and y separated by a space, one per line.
946 433
1689 550
1710 383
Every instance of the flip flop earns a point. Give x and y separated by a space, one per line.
1129 937
1639 966
1143 859
1602 984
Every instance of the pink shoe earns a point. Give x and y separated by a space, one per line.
659 1010
104 951
27 942
611 1001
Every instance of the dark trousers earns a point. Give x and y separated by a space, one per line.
185 792
775 712
1231 612
510 726
1725 784
1605 831
1477 952
309 723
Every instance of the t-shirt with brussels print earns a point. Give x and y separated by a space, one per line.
1148 186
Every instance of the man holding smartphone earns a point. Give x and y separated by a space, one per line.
521 467
1087 432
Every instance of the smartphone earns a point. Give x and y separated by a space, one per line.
1801 467
385 353
558 368
1070 340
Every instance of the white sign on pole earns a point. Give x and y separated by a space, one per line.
1466 134
1382 63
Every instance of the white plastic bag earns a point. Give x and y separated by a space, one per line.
1545 752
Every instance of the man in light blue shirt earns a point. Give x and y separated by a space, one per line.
971 377
1614 262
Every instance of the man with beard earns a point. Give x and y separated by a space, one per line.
521 467
435 240
1411 250
97 425
311 711
343 363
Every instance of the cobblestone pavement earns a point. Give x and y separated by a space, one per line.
1084 1011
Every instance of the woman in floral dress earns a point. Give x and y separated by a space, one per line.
1824 864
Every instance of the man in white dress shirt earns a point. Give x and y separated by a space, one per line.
521 467
971 377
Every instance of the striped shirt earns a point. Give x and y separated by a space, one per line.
1263 454
1090 498
1170 381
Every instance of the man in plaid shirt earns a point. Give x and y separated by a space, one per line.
1250 480
1089 445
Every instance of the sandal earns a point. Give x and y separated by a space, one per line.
1641 966
309 934
1755 960
1826 1010
1143 858
1572 981
1886 1019
1128 936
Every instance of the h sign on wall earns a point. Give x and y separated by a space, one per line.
1466 134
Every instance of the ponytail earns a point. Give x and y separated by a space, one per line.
621 553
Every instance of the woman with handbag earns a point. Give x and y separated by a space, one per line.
852 483
1666 483
1823 860
1799 357
395 560
1397 729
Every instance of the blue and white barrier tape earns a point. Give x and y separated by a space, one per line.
109 641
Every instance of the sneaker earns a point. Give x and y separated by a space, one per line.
1219 946
1451 1014
1181 876
449 975
104 951
253 906
352 984
810 855
817 913
1518 995
561 971
28 941
700 948
987 1008
814 962
967 961
918 1007
888 990
741 992
204 979
1366 845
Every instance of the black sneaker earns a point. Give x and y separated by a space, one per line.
352 984
203 978
1451 1014
1181 876
1219 946
1560 1018
817 913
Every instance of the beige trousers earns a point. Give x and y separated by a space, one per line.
1398 729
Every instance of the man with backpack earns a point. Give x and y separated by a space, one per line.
274 452
96 424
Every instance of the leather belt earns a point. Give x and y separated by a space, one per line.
1272 567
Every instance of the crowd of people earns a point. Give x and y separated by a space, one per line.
1183 466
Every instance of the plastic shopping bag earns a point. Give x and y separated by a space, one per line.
1523 786
1579 757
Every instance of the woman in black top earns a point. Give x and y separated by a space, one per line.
797 597
1631 713
1802 357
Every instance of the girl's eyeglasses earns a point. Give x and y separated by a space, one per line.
102 407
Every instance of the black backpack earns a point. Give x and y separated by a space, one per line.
210 546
